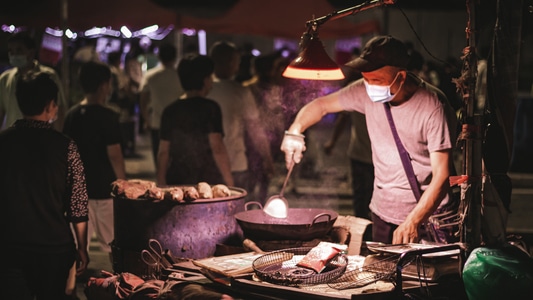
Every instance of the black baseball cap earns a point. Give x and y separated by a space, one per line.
380 51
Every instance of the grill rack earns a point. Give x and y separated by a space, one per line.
388 268
280 267
384 269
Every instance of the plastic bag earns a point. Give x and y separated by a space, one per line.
498 273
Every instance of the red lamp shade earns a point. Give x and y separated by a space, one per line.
313 62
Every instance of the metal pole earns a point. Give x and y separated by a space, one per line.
348 11
65 70
472 133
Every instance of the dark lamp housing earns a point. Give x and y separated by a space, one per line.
313 62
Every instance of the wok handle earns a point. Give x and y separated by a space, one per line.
251 203
247 243
319 216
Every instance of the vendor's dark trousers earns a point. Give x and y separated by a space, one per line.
382 231
35 276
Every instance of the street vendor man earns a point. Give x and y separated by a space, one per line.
425 125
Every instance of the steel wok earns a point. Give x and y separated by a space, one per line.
301 224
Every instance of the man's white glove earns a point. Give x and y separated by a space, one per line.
293 145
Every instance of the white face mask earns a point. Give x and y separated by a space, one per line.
18 61
380 93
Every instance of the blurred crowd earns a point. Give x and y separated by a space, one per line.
277 99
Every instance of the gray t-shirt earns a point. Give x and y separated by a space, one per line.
425 123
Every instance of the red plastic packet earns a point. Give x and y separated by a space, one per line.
318 257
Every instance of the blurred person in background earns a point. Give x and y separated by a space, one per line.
240 114
268 95
122 100
42 183
119 80
360 154
359 151
160 86
450 70
246 64
22 50
96 130
191 148
87 51
131 120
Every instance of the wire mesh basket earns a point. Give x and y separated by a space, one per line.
280 267
383 269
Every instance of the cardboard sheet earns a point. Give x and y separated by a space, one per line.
357 227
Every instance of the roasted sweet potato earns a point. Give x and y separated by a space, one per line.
204 190
220 191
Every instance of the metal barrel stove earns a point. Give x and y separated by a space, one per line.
188 230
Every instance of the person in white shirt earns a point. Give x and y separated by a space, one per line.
22 50
239 113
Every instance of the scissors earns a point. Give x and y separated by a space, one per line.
153 255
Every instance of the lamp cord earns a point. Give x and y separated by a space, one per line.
420 40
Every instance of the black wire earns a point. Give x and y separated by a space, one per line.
420 40
423 288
